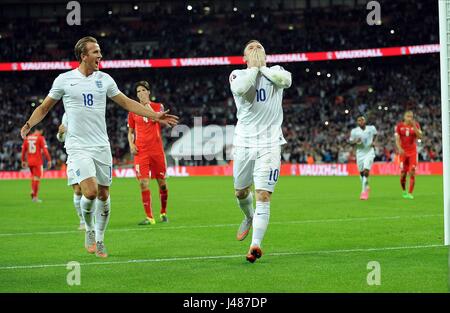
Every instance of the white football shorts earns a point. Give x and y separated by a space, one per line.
365 162
90 162
260 166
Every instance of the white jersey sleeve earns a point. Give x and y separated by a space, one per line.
242 80
112 89
57 90
374 131
277 75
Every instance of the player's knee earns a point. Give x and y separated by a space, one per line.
366 173
77 189
143 183
90 194
263 195
242 193
163 187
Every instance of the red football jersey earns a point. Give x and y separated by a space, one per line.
408 137
147 134
33 147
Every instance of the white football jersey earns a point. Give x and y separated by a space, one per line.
259 111
84 101
366 137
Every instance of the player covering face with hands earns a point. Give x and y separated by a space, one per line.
84 91
258 94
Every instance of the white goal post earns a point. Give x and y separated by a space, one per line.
444 38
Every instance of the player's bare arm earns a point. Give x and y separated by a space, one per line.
419 133
133 147
374 141
135 107
38 115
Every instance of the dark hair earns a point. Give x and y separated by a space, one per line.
80 46
142 83
249 42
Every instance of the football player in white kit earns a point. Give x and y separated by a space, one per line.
71 180
258 94
364 137
84 91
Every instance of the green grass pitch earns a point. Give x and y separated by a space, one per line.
321 238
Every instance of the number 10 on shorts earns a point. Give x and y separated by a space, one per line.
273 175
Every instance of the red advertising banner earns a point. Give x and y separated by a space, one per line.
228 60
379 168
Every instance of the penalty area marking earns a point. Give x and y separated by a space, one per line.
214 257
333 220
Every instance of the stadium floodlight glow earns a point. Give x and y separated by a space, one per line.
359 68
326 123
235 9
380 107
444 32
307 70
346 111
328 75
252 15
109 12
370 89
392 31
386 108
189 7
200 31
291 27
136 7
318 73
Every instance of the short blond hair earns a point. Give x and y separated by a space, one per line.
80 46
249 42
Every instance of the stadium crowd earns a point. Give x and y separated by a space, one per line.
319 110
176 32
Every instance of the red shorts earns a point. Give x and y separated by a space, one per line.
150 163
36 170
408 162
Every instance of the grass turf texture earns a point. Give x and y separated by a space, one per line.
319 239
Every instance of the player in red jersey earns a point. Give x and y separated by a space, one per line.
144 138
33 147
406 135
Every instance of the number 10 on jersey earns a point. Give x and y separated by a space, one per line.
88 99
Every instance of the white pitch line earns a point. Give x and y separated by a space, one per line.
351 219
213 257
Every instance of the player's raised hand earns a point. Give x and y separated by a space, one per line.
166 119
260 58
25 130
253 59
24 164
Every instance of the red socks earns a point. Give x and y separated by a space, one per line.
163 195
147 201
35 188
412 180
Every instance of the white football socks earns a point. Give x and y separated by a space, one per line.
76 204
102 213
86 209
365 183
260 222
246 205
